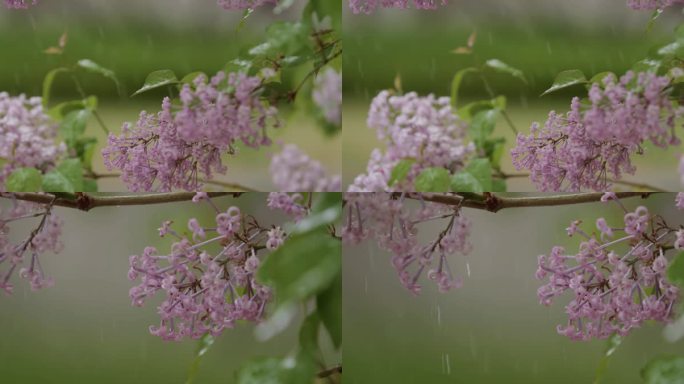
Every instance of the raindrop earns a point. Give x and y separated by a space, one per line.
448 365
548 48
468 269
439 316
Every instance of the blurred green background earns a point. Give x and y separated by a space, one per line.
134 38
492 330
84 329
540 37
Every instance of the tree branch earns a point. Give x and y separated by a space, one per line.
87 201
493 203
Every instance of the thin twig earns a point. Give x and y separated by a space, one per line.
88 201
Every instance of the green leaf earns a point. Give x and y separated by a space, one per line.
329 306
47 84
96 68
598 78
297 370
433 180
502 67
308 334
675 272
190 77
283 5
59 111
74 125
90 185
567 79
494 150
456 84
664 370
481 169
66 177
203 347
400 171
303 266
499 185
612 345
465 182
24 180
483 125
159 79
647 65
54 181
326 211
284 39
674 331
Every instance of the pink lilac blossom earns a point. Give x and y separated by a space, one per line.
177 150
294 171
276 238
233 5
327 94
590 145
20 4
369 6
27 135
652 4
292 204
24 256
424 129
617 279
393 223
207 289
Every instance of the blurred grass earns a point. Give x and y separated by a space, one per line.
540 48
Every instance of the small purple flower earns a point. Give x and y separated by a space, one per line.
423 129
27 136
613 291
24 256
590 145
180 146
327 94
393 224
276 238
652 4
207 288
369 6
20 4
294 171
233 5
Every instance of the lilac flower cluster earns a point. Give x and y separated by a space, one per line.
20 4
590 145
24 256
234 5
327 94
617 278
424 129
208 276
294 171
393 224
652 4
27 135
292 204
369 6
177 150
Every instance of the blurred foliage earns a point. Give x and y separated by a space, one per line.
539 49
